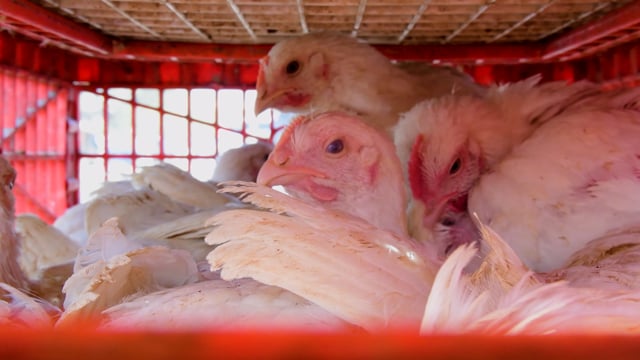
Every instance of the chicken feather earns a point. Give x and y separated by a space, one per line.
320 72
392 272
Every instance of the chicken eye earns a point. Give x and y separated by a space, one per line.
335 147
455 167
447 221
292 67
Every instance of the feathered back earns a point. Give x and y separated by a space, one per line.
42 246
179 186
111 268
136 210
242 163
296 244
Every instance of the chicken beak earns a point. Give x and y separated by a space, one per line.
267 98
284 173
433 212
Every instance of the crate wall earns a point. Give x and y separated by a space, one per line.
34 138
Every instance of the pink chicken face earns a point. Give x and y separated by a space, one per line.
441 176
322 157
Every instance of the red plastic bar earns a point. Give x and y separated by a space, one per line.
623 18
186 51
50 22
106 345
32 126
487 53
3 105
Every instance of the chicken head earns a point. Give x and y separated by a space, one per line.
339 161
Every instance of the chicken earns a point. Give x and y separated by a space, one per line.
16 307
565 195
527 307
320 72
42 246
308 250
110 267
504 297
339 162
445 144
159 193
10 271
19 310
368 276
46 257
120 285
237 305
242 163
72 221
136 210
179 186
515 165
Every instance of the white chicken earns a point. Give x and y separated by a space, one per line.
565 196
120 285
16 307
545 164
339 162
72 221
242 163
308 250
320 72
179 186
503 297
10 271
302 156
46 257
110 268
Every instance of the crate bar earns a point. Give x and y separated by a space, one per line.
126 156
59 129
188 126
43 172
23 102
72 167
134 122
28 132
50 22
186 51
3 105
105 127
493 53
85 342
9 110
620 19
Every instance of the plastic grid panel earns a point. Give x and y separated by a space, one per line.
33 113
124 128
